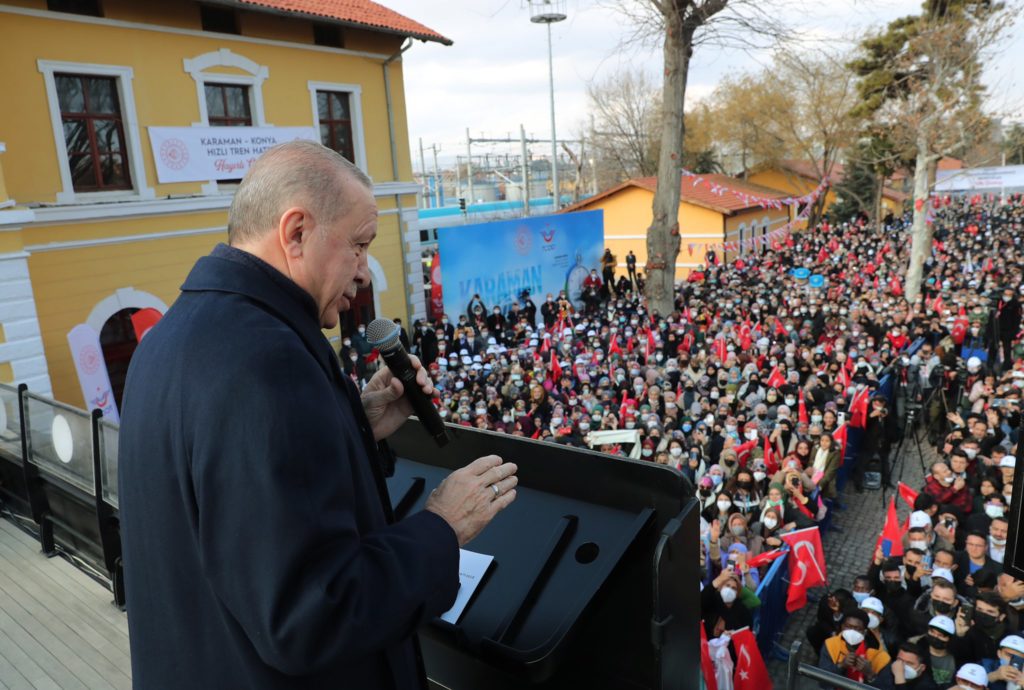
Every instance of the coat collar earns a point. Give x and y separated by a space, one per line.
232 270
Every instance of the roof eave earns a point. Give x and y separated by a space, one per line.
237 4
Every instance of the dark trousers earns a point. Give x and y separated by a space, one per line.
631 269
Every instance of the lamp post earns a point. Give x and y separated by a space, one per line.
549 12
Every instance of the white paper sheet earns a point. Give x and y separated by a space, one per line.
472 567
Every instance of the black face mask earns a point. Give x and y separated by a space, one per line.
744 484
893 587
942 607
985 621
936 643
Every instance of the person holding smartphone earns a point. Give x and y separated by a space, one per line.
1010 673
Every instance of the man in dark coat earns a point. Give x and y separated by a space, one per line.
259 547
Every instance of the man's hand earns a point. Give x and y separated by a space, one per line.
1006 673
469 498
386 408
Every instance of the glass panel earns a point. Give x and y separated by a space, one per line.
325 135
108 461
112 169
10 422
69 94
214 101
76 136
82 173
108 135
102 96
238 101
339 106
61 442
321 105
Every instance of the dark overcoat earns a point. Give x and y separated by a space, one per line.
258 548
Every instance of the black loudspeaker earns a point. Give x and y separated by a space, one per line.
595 579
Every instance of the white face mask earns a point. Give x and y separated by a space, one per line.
853 638
728 595
993 511
873 621
751 435
724 505
922 545
909 672
675 452
771 523
759 476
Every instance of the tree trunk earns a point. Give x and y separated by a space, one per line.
921 232
663 235
876 207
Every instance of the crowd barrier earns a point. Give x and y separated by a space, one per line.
58 466
770 618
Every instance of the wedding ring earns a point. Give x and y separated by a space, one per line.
496 492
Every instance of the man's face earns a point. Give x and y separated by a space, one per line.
958 463
997 529
943 595
944 560
334 258
940 471
975 546
911 560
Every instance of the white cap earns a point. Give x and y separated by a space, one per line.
973 363
973 673
1014 642
1008 461
943 623
873 604
944 573
591 333
566 331
919 518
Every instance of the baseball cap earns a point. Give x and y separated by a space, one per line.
1014 642
944 573
944 624
973 673
1008 461
919 518
873 604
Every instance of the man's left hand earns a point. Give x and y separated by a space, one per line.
386 407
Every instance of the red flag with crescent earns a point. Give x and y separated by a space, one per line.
806 565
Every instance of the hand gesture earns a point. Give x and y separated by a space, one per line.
1007 673
849 661
955 418
470 497
716 530
961 623
921 572
879 556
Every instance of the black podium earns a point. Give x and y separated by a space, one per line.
595 576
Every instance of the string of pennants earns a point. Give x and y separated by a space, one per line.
772 238
754 199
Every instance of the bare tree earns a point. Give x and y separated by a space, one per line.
921 79
626 110
681 26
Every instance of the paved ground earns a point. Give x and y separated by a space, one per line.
848 553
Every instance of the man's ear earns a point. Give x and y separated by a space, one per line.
293 231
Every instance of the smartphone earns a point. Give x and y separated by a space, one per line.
1017 662
968 610
998 402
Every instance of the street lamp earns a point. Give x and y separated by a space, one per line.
548 12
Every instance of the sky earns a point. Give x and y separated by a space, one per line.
495 75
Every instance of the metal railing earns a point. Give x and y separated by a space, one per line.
798 668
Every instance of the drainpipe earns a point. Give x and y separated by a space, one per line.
394 176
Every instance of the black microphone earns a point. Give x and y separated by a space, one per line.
384 335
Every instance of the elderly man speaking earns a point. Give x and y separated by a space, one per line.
259 548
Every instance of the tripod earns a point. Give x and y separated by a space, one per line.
910 407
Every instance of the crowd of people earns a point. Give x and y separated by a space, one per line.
750 387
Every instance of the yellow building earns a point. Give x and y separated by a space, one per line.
94 226
797 178
706 217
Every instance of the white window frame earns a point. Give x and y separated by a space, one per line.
355 107
198 67
129 123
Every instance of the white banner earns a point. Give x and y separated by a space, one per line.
199 154
1008 176
92 371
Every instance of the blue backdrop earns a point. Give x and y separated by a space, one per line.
499 260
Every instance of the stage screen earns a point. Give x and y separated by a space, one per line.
499 260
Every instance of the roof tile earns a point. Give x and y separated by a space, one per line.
361 12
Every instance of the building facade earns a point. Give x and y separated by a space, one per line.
90 231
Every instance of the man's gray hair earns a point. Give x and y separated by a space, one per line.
294 173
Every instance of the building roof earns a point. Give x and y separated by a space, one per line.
808 170
727 203
358 13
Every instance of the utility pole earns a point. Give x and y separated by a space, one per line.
437 178
469 166
526 171
423 174
554 138
458 179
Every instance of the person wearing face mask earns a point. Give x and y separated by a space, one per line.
978 639
726 603
909 671
1004 673
738 533
824 466
881 633
829 617
846 654
945 489
720 509
940 661
745 492
891 589
997 532
940 600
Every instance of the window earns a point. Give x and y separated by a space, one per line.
222 20
90 8
227 105
328 35
335 115
90 112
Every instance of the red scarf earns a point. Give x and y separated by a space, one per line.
853 673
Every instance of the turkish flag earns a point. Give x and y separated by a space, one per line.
743 451
802 408
143 320
436 291
771 466
779 328
907 494
707 666
556 369
891 538
765 557
750 672
959 331
721 349
859 409
650 344
613 346
839 436
937 304
806 565
775 378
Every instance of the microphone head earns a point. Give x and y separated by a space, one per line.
382 334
